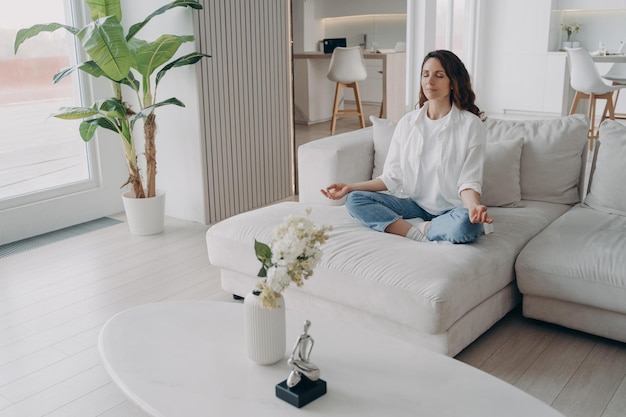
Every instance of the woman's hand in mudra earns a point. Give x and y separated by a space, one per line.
336 191
478 214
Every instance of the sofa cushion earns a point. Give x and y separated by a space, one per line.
579 258
606 185
501 175
383 132
551 156
424 286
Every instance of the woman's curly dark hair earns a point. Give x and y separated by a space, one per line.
462 94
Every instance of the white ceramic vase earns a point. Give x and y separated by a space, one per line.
145 216
264 330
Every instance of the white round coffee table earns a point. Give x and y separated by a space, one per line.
187 358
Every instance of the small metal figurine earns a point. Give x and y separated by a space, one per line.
299 359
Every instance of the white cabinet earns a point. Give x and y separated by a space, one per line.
556 97
541 87
313 92
524 83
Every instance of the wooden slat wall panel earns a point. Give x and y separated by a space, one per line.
246 100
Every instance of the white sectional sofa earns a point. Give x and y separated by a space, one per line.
439 296
574 272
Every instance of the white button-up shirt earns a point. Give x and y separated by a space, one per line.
460 164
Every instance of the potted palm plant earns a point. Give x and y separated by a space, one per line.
132 66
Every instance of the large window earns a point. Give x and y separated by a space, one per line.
450 25
49 178
38 153
439 24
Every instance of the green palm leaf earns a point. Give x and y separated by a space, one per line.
178 3
89 67
131 81
74 113
188 59
24 34
111 107
149 56
62 73
104 8
145 112
104 41
88 128
92 69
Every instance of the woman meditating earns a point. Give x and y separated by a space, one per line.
434 169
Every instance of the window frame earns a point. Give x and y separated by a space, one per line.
66 205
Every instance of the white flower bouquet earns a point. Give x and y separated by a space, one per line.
570 29
292 255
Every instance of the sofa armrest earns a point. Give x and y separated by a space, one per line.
348 157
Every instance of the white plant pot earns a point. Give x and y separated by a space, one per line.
264 330
145 216
567 44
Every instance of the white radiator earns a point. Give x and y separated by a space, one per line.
246 99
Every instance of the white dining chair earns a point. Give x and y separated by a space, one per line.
588 84
347 68
617 75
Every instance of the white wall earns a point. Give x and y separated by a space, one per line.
512 51
337 8
382 30
311 24
180 159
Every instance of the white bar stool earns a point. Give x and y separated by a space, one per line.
617 74
588 84
347 68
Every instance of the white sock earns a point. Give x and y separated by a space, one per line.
415 234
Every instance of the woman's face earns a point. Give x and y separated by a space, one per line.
435 83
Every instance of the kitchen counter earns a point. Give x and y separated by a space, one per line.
314 93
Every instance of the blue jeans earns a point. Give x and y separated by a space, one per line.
378 210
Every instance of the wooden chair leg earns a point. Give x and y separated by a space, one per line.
577 99
381 113
616 96
610 106
359 107
592 119
333 121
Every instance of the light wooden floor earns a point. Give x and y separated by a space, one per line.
308 133
54 300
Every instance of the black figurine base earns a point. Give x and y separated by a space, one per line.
303 393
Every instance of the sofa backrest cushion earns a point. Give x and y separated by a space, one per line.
383 132
501 174
607 183
551 158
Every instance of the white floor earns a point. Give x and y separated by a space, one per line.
55 299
